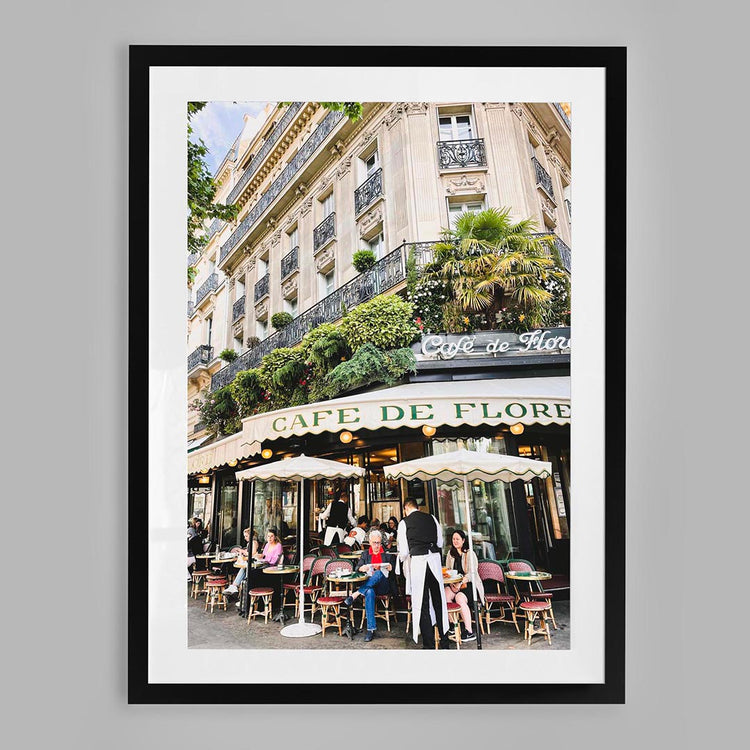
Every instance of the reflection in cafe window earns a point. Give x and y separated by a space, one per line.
493 523
267 511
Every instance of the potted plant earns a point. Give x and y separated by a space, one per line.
252 342
228 355
363 260
281 320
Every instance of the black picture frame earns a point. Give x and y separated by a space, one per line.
613 61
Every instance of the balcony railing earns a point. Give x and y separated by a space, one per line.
563 250
307 149
290 262
562 114
265 149
216 226
569 207
324 232
368 191
211 284
384 275
466 153
193 258
261 287
543 179
191 308
238 308
201 356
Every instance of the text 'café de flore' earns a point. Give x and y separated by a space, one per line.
315 189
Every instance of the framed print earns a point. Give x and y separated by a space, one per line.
372 429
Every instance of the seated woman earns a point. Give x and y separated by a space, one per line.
459 558
250 551
378 564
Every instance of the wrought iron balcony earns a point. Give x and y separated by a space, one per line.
290 262
201 356
368 191
563 250
466 153
261 287
265 149
238 308
193 258
216 226
384 275
562 114
543 179
308 148
569 207
324 232
191 308
211 284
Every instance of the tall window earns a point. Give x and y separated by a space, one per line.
290 306
458 127
455 208
377 245
262 268
238 344
327 282
261 329
293 238
209 329
371 163
327 205
239 290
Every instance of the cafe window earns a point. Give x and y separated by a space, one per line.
229 532
493 522
275 507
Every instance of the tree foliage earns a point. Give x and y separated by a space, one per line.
387 321
201 189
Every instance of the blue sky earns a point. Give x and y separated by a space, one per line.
219 123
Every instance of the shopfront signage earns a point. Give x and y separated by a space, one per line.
440 411
493 344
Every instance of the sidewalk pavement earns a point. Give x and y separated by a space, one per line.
228 630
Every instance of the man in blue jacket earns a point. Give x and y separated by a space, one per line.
379 565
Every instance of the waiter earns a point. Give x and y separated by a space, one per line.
339 516
420 541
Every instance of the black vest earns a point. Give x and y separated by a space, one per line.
339 515
421 533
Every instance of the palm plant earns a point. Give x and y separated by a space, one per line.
488 258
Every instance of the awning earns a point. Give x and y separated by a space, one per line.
193 444
471 402
220 453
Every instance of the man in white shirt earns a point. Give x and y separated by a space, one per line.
338 514
358 533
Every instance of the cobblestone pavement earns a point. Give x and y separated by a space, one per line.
228 630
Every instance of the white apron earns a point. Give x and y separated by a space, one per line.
414 572
331 533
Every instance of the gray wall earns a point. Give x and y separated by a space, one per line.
64 132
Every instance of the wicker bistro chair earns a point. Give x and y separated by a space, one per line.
199 583
214 587
535 591
491 572
293 587
329 601
313 586
264 594
534 610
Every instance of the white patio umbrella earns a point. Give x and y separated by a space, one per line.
298 469
468 466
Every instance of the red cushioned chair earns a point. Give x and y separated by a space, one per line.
264 593
492 577
536 591
534 610
293 587
329 601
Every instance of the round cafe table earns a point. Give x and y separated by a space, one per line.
350 555
349 579
205 559
281 571
530 576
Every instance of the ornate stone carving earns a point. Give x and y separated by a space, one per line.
306 207
344 168
325 259
548 209
555 159
289 288
275 237
369 220
337 148
494 105
237 328
394 115
261 310
465 184
301 189
416 108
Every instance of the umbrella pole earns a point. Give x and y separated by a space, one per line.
473 573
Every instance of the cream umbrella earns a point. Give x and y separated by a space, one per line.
298 469
468 466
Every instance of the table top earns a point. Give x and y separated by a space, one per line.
350 555
222 560
453 579
347 578
281 569
203 557
528 575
